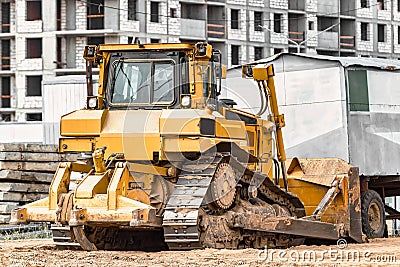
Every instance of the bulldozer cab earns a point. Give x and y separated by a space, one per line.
156 76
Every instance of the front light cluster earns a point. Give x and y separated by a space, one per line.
92 102
186 101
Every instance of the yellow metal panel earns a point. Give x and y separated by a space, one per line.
224 72
131 121
241 112
266 149
37 211
260 74
311 195
80 167
95 209
59 184
92 184
149 169
182 122
310 179
103 72
118 185
134 146
157 46
132 132
183 144
197 144
181 126
76 144
196 78
82 123
230 129
252 139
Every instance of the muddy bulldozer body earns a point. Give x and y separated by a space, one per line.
167 164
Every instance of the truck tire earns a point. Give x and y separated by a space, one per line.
372 214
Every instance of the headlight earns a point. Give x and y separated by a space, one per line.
92 102
186 101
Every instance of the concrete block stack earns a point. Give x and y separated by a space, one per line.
26 171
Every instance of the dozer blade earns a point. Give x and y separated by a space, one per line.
287 226
330 191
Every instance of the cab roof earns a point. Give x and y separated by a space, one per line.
145 47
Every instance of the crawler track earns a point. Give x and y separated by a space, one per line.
189 224
62 237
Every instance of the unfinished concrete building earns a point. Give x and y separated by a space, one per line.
44 38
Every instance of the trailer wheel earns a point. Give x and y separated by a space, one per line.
372 214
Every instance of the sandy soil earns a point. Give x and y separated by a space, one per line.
384 252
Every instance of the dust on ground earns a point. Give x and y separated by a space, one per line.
384 252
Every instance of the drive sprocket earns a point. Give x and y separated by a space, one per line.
222 191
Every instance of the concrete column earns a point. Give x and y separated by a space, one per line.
70 15
49 42
71 51
111 15
141 16
49 15
49 53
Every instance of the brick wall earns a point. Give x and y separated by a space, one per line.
238 2
80 15
311 5
238 34
365 12
12 17
364 45
281 4
23 101
13 92
396 13
312 34
80 46
259 3
23 25
256 36
125 23
279 38
13 55
385 14
161 26
396 45
386 47
174 24
242 53
23 63
63 14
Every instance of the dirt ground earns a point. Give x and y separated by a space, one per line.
384 252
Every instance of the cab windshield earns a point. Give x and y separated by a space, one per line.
143 82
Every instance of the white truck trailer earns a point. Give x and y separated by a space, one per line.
336 107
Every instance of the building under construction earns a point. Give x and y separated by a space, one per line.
44 38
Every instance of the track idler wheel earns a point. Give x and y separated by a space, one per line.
373 214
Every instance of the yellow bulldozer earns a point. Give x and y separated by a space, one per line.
167 164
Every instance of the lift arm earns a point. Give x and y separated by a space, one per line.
263 74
